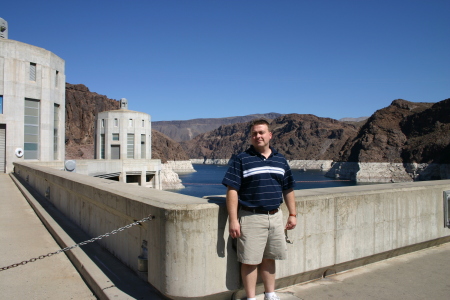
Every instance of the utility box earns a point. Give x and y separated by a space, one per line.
447 208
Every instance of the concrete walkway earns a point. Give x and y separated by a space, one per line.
22 237
90 271
418 275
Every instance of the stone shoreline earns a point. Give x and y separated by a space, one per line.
363 172
388 172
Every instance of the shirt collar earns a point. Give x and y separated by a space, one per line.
253 151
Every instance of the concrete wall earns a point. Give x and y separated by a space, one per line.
123 167
191 254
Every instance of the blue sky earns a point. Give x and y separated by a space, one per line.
186 59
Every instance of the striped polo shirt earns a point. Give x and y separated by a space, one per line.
260 182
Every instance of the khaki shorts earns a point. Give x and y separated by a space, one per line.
262 236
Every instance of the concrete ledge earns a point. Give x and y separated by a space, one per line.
119 282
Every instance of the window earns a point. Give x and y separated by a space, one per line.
115 151
130 122
130 145
103 123
116 122
142 145
56 78
143 123
1 104
32 71
55 131
31 129
102 146
115 136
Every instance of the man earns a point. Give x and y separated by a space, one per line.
257 180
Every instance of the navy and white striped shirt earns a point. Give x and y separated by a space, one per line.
260 182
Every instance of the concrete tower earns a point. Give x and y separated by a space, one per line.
32 103
123 134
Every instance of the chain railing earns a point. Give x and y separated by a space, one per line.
150 217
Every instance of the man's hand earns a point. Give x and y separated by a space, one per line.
235 229
291 223
289 198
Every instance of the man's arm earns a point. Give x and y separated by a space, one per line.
232 207
289 198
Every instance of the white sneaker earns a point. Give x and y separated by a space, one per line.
273 297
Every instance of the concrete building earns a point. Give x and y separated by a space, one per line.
32 103
125 136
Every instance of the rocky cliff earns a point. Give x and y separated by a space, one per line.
383 137
82 106
428 135
402 142
166 149
188 129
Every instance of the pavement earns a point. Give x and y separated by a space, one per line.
91 271
424 274
23 237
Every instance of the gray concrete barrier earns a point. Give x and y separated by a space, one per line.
190 254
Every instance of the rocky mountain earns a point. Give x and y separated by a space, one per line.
166 149
428 135
404 132
82 106
384 136
188 129
300 137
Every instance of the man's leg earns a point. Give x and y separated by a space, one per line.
267 269
249 275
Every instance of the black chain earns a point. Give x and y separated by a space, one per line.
150 217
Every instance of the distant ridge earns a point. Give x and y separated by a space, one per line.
187 130
353 119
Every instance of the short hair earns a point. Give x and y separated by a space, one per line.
259 122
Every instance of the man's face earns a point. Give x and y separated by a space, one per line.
260 136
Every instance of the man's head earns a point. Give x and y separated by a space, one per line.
260 134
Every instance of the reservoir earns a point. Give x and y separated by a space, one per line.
207 181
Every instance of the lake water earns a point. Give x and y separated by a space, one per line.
207 180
